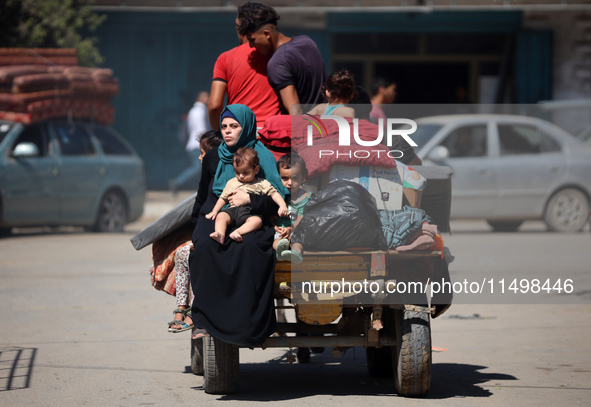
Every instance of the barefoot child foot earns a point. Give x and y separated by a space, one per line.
218 237
236 236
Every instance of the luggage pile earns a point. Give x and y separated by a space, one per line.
38 84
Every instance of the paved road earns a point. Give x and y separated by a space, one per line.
81 325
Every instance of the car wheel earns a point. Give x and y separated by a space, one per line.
112 213
504 226
567 211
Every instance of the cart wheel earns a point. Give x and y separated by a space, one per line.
412 357
221 366
197 356
379 361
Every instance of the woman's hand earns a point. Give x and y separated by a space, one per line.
239 198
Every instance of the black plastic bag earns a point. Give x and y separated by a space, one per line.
341 216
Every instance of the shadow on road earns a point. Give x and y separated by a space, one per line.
16 368
279 381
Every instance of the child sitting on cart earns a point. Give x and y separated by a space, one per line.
338 89
293 173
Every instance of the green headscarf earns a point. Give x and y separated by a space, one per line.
225 170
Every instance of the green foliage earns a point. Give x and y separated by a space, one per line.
51 24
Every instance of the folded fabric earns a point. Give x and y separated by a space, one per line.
400 226
168 285
424 239
326 152
163 251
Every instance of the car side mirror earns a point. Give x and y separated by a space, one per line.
438 154
25 149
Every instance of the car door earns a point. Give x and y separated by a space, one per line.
30 179
83 171
474 179
531 163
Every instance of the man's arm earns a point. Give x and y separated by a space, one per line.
289 97
216 102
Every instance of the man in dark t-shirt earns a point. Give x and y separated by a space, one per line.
296 69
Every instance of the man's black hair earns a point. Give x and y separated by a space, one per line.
253 16
381 82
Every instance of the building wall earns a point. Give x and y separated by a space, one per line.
164 58
572 62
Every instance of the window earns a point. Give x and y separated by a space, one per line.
34 134
4 129
73 139
375 43
525 139
466 141
110 142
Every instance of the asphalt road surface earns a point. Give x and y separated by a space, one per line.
81 325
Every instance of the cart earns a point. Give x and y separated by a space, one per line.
395 331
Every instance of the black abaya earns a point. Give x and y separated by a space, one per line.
233 282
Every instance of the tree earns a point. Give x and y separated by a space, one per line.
51 24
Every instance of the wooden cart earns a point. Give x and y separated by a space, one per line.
397 337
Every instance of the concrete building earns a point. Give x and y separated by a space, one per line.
503 51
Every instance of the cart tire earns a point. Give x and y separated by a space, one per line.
221 366
379 361
197 356
412 358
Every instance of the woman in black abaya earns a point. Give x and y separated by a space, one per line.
233 282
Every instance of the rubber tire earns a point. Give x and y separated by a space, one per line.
379 361
412 358
112 214
567 211
221 366
197 356
504 226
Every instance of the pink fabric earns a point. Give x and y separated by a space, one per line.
285 131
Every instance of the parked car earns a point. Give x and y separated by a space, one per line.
68 173
508 169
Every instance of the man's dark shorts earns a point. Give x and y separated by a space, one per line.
238 214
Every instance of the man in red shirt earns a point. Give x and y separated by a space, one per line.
242 73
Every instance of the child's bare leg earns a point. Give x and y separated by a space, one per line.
253 223
298 247
222 220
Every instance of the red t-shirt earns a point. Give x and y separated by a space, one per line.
245 72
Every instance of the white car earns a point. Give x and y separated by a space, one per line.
508 169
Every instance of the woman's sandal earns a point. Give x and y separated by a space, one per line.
183 325
199 333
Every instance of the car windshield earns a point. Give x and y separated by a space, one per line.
424 133
4 129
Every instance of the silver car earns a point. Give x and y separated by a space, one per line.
508 169
68 172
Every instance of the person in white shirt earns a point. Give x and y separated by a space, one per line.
197 124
